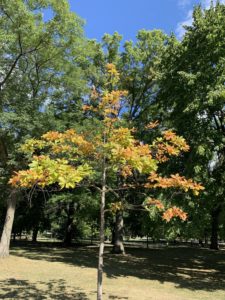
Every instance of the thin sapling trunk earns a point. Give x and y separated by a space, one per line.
102 235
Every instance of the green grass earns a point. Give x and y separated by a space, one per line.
44 272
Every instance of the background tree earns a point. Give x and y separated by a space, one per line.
139 67
38 59
73 215
192 88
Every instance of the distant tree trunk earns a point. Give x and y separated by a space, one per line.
92 234
147 242
69 225
215 226
205 238
113 235
118 247
68 235
35 234
200 242
7 229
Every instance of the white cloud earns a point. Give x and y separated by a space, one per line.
180 31
184 3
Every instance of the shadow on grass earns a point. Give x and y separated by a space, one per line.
54 289
190 268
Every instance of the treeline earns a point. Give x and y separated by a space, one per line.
48 71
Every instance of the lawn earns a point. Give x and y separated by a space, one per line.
178 273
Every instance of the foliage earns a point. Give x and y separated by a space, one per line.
71 157
194 70
38 57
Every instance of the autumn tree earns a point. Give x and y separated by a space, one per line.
139 65
96 158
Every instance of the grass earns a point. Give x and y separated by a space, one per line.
178 273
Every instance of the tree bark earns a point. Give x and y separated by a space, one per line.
205 238
68 235
35 234
118 246
7 229
102 236
69 225
214 230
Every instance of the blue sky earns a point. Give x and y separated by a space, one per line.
128 16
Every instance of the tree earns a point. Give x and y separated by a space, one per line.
193 70
96 158
138 64
30 216
38 58
73 214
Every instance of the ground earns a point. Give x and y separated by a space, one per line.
178 273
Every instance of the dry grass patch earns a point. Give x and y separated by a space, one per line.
44 272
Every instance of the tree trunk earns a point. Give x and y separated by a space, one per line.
35 234
102 236
205 238
69 225
215 226
68 235
92 234
118 247
113 234
7 229
147 242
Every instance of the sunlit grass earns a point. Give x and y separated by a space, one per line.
43 272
